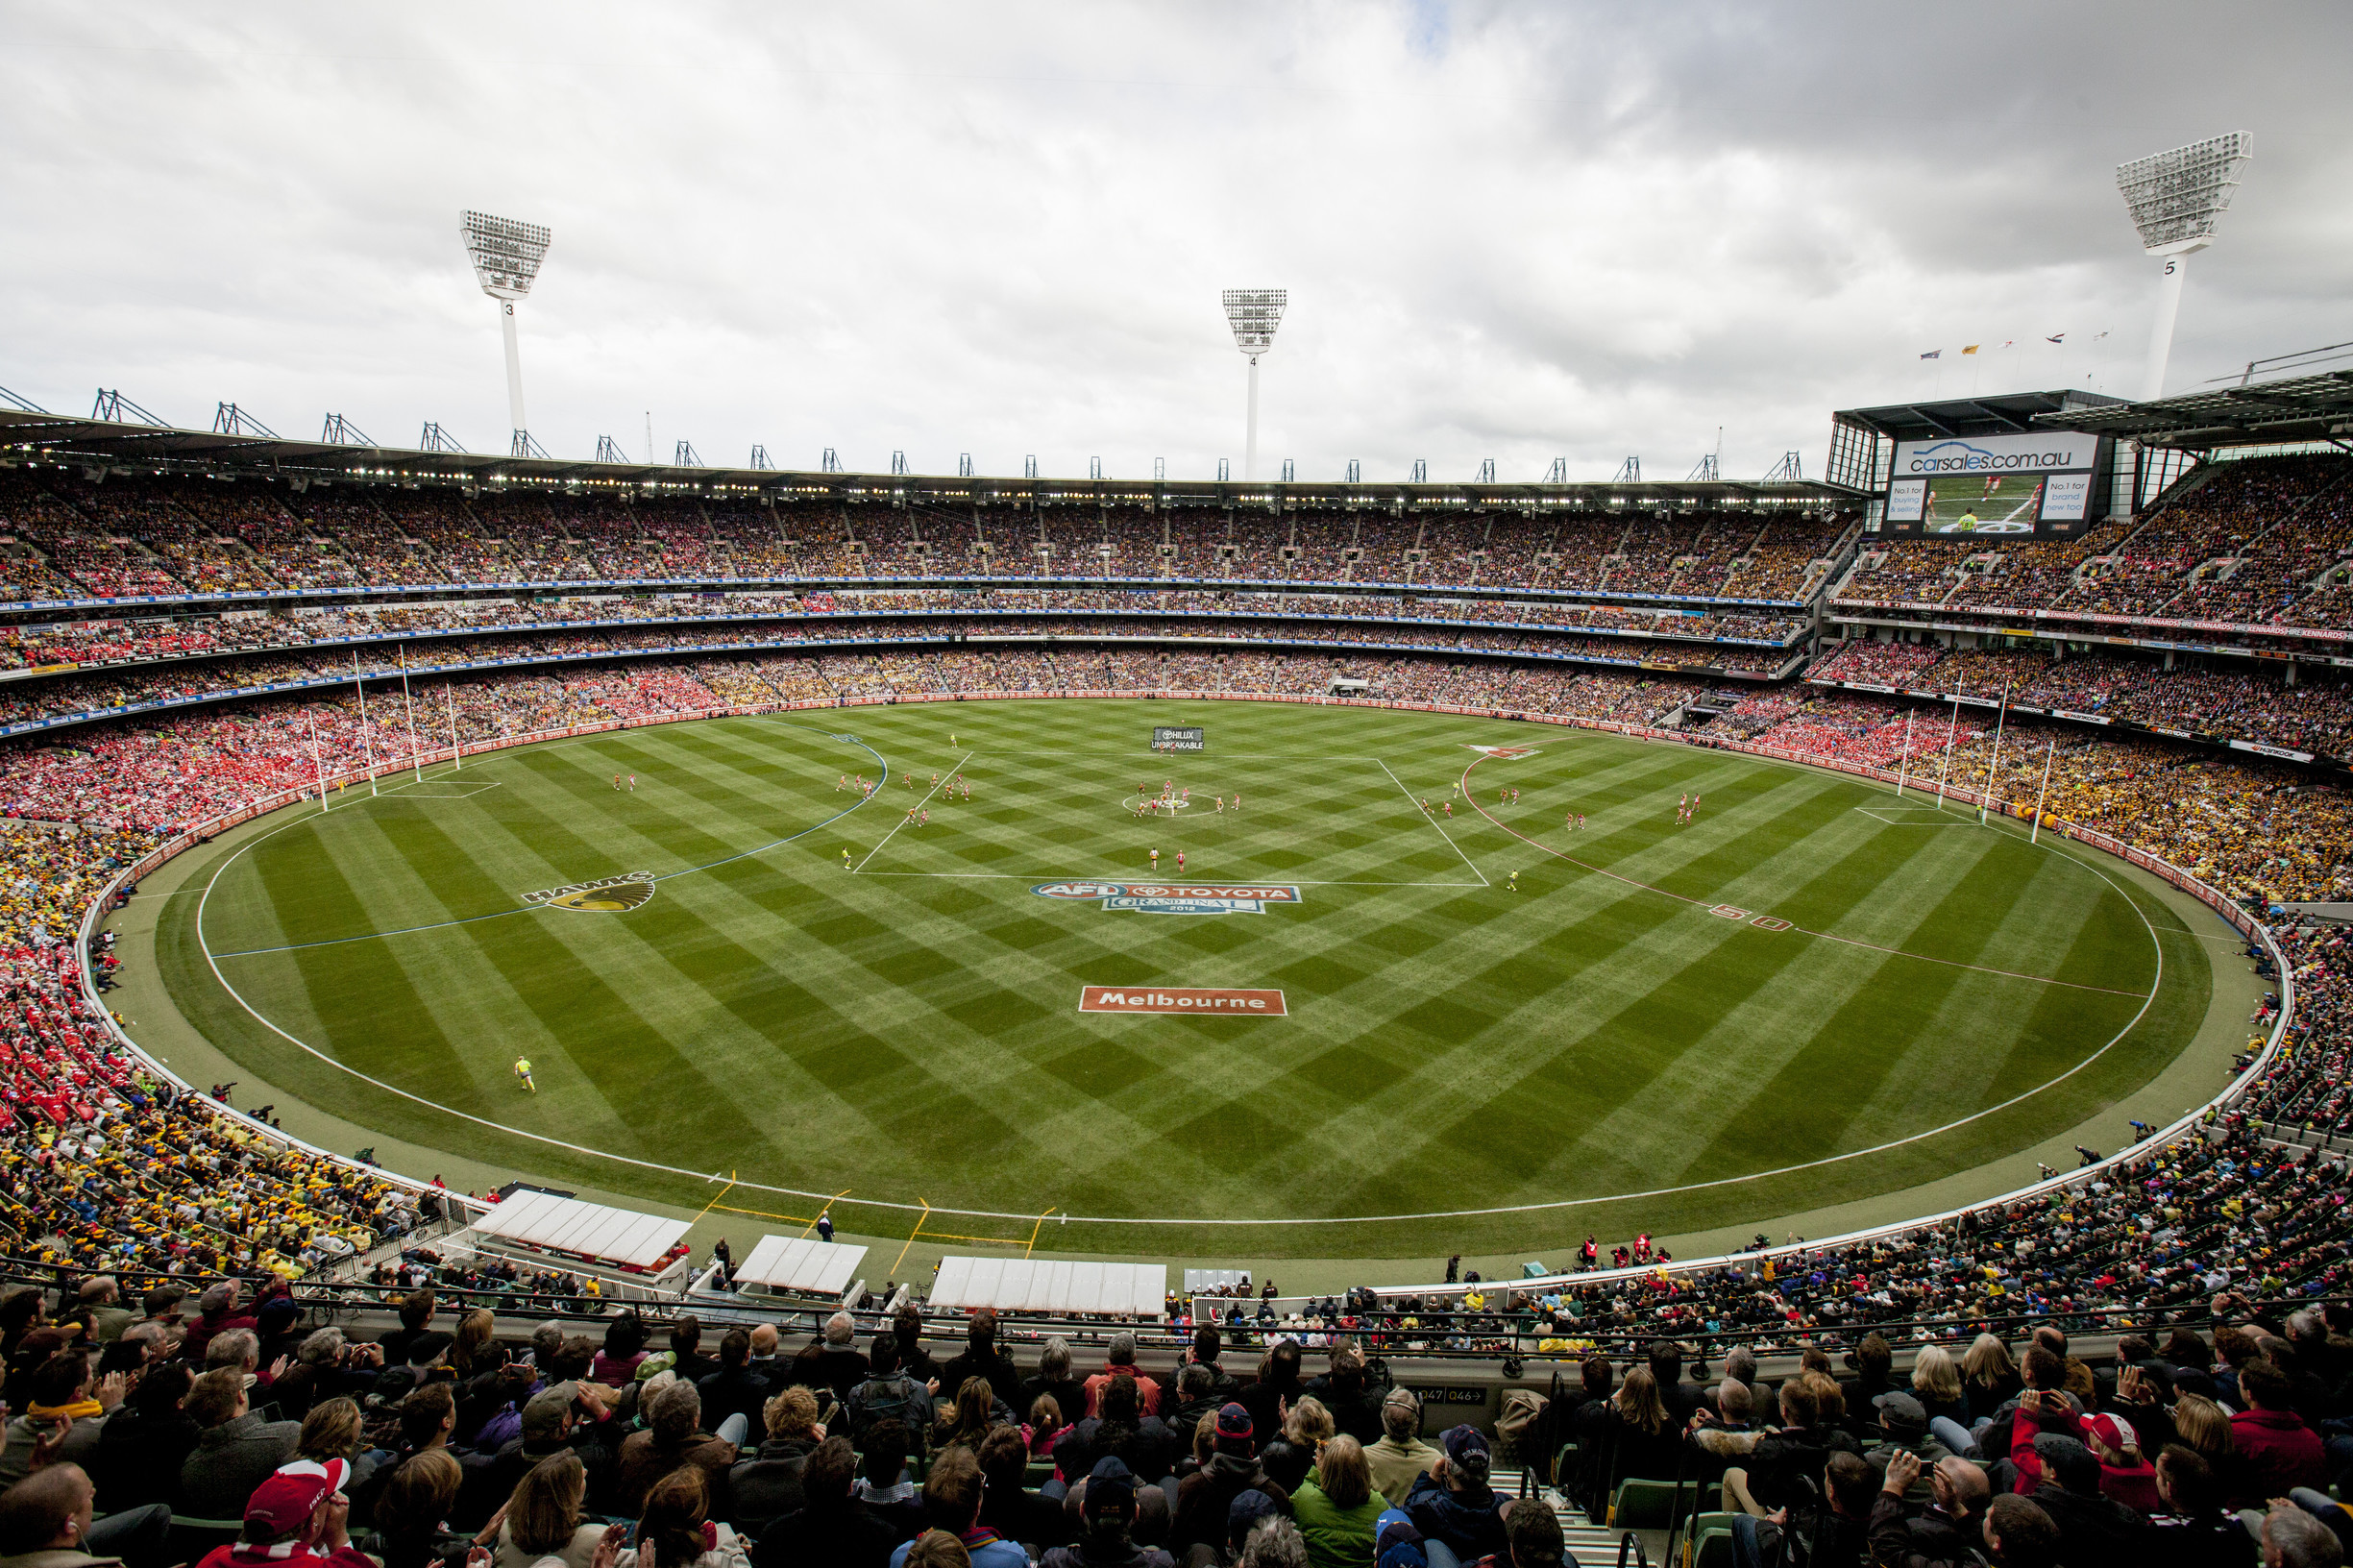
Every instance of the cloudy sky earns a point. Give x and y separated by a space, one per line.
1516 232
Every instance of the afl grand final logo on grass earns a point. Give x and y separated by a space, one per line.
610 895
1173 898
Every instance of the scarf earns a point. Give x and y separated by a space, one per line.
80 1410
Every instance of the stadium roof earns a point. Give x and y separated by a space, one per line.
2006 413
2297 409
33 435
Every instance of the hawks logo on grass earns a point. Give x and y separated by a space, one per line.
608 895
1506 752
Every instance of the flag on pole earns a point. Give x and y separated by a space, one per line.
2096 337
2054 337
1972 348
1933 354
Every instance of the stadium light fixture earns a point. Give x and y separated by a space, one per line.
506 253
1254 314
2175 198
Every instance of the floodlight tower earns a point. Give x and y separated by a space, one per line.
507 255
1254 314
2174 198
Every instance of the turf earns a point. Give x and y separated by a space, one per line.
1594 1043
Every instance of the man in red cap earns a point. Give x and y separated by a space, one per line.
295 1520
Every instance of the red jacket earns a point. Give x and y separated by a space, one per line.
239 1555
2276 1453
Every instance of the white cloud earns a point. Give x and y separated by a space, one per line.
1508 232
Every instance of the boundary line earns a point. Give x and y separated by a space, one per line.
1214 1223
1434 822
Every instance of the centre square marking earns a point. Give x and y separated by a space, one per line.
1247 1004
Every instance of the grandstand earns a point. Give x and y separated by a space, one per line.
2165 685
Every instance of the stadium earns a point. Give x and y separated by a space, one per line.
1690 980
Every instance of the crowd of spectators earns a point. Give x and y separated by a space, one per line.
70 536
2304 707
2263 542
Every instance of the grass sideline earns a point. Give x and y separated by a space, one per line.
909 1032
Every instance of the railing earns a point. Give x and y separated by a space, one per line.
2187 1123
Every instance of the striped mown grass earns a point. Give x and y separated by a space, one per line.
909 1030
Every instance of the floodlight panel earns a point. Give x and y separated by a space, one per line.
2174 197
506 253
1254 314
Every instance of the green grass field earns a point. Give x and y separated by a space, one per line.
1599 1050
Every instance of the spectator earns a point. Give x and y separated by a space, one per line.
952 1502
1346 1392
1904 1427
888 1394
411 1512
547 1517
2292 1538
831 1529
833 1361
1008 1504
1278 1387
1644 1438
64 1392
218 1310
1456 1511
1206 1497
673 1437
2092 1528
1107 1512
907 1327
1988 1377
46 1521
235 1453
1120 1361
1306 1429
981 1359
2190 1529
1936 1383
1053 1380
768 1485
2277 1452
146 1440
625 1351
416 1318
1400 1457
675 1529
1335 1509
295 1518
884 1489
572 1419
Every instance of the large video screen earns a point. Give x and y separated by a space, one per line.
2047 485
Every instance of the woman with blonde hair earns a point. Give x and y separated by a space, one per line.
332 1431
1989 1375
1642 1435
1335 1509
473 1354
543 1518
967 1421
410 1514
1306 1428
1937 1384
2204 1427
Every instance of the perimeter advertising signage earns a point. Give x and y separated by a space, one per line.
2045 484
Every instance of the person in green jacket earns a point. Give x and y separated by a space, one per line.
1335 1509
